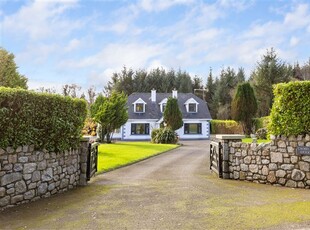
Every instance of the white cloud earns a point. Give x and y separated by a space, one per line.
160 5
116 55
239 5
294 41
41 19
298 18
72 45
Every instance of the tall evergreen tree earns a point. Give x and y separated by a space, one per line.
172 114
240 75
183 82
244 106
270 70
224 93
210 92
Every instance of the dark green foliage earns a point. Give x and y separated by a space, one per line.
110 113
172 114
129 81
225 87
290 113
47 121
164 136
210 92
244 106
225 127
270 70
9 76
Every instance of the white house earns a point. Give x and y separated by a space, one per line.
145 111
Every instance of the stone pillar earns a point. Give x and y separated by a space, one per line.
224 140
83 161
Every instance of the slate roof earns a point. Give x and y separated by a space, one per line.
152 109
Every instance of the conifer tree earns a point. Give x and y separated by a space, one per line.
244 106
172 114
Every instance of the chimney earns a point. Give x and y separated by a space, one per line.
153 95
174 93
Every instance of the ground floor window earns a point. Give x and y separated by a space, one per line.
140 129
192 128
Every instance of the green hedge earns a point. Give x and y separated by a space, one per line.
290 113
225 127
51 122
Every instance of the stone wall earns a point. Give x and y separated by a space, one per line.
27 174
274 163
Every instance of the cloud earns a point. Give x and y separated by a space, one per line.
298 18
239 5
116 55
72 45
161 5
294 41
41 19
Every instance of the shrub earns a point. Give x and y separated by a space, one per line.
261 122
47 121
90 127
154 134
290 113
261 133
225 127
164 136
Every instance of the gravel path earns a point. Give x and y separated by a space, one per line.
174 190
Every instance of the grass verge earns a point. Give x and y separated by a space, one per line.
112 156
250 140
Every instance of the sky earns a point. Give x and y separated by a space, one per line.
57 42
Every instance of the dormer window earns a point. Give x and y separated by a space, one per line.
191 105
139 106
163 104
192 108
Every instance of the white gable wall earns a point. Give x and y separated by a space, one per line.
126 132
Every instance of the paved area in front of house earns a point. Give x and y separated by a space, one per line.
174 190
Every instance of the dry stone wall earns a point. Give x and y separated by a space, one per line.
274 163
27 174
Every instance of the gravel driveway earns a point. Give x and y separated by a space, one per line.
174 190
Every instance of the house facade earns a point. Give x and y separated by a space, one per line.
145 112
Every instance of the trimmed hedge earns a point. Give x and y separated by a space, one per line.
47 121
290 113
225 127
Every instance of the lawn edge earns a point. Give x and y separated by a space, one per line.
137 161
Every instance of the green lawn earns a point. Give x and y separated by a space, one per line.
250 140
112 156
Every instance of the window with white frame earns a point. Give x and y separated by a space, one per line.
192 128
140 129
163 104
192 108
139 106
191 105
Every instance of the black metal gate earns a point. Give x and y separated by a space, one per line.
92 160
216 158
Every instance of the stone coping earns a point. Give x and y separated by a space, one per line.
229 136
